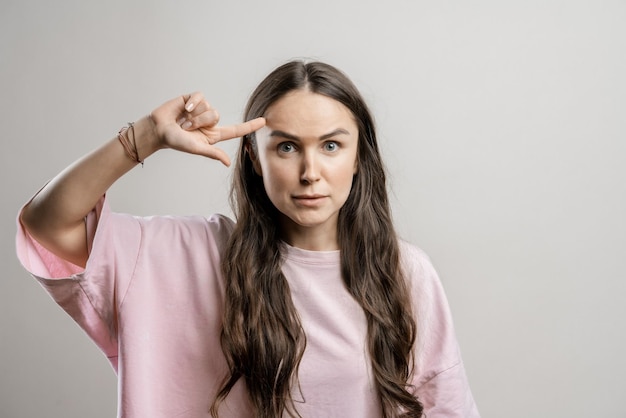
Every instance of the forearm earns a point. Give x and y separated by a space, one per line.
55 216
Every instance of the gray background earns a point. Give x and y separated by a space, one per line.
502 125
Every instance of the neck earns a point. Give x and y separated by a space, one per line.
318 238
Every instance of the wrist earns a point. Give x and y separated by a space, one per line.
146 138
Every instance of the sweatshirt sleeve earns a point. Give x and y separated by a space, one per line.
91 295
439 380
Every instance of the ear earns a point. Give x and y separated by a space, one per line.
251 150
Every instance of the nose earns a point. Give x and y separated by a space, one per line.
310 168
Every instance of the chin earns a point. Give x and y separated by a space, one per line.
307 221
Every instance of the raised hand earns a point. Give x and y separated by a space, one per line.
188 123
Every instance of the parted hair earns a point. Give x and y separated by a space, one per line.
262 336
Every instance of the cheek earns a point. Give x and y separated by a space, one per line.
350 168
345 177
275 177
348 186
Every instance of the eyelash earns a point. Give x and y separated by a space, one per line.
282 145
291 145
333 143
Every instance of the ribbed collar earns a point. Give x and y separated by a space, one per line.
311 257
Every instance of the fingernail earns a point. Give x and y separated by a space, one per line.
180 121
186 125
188 107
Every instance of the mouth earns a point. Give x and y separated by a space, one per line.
309 199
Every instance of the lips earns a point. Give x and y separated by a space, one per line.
309 199
308 196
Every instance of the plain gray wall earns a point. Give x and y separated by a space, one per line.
502 124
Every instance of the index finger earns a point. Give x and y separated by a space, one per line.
235 131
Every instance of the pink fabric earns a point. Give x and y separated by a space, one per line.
151 297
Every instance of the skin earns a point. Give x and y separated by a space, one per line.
55 216
307 156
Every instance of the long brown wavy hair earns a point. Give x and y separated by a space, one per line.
262 337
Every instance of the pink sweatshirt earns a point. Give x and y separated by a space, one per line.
151 297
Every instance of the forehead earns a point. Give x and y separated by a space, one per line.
302 112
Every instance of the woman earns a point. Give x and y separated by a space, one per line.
308 305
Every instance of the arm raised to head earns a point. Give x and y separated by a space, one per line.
55 216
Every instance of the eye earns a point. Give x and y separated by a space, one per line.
331 146
286 147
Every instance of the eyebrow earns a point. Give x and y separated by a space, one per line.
282 134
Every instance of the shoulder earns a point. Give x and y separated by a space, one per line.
415 262
423 281
194 224
186 231
408 249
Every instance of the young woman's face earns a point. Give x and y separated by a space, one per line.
307 156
